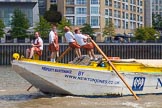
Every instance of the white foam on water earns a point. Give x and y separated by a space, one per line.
2 90
150 104
65 97
55 97
131 104
73 97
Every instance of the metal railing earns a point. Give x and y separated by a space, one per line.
122 50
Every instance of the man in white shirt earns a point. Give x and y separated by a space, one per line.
82 41
53 44
72 42
37 47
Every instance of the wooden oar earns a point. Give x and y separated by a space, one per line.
62 55
113 67
29 88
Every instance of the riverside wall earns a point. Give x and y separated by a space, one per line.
122 50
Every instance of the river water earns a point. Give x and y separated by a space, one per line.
14 94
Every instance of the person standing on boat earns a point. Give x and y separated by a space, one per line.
36 47
53 44
69 37
82 41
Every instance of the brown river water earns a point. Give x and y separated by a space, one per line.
14 94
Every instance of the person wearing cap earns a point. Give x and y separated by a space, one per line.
82 41
36 47
53 43
69 37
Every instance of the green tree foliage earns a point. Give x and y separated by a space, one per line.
141 34
153 34
2 26
19 24
61 25
146 33
86 29
43 27
52 15
109 29
53 7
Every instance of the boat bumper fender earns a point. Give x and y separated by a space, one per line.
16 56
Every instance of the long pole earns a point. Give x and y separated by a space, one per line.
29 87
113 67
62 55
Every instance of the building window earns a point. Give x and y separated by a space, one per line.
138 9
116 5
133 2
80 20
71 20
127 16
106 2
115 13
131 16
134 17
141 10
123 25
54 1
138 18
131 8
69 10
94 2
81 10
106 12
134 25
119 14
126 25
70 2
41 3
110 2
131 25
138 25
117 23
6 15
160 2
134 8
125 0
123 6
106 21
29 15
94 10
138 2
81 2
141 18
110 12
126 7
141 3
123 14
94 21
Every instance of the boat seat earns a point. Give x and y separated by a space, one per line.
85 60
